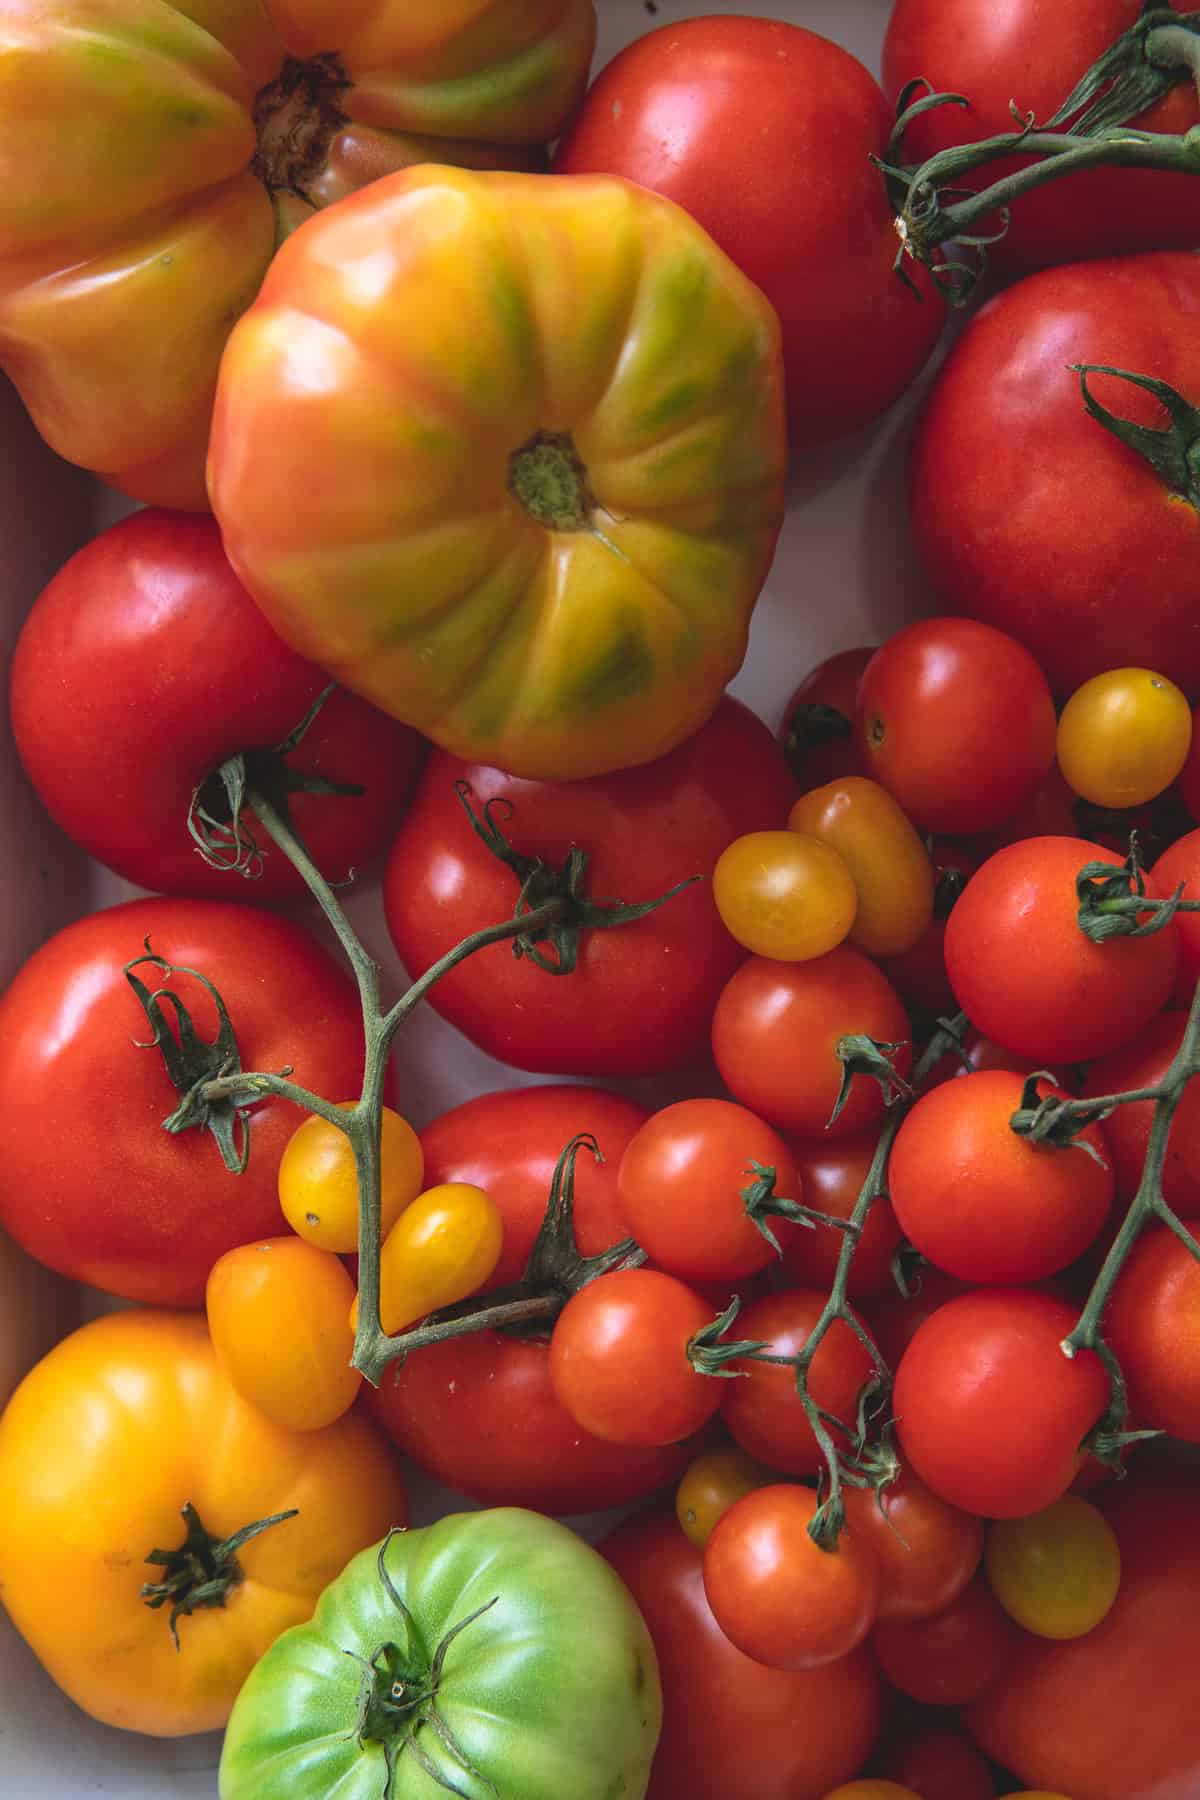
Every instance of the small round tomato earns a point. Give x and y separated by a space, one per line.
1143 1064
937 1762
950 1657
927 1550
889 865
784 895
873 1790
710 1486
318 1185
817 728
278 1313
1179 867
1153 1328
442 1248
832 1175
895 1318
1123 737
775 1033
994 735
1057 1572
779 1596
762 1409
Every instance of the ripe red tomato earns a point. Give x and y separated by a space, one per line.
670 113
895 1318
927 1551
640 998
1006 451
1180 867
1027 976
937 1762
775 1032
143 666
832 1174
817 727
952 1656
1153 1327
1142 1064
762 1408
995 732
989 1411
732 1728
92 1184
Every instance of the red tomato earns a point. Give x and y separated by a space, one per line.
1142 1064
989 1411
927 1551
1113 1715
778 1596
995 732
952 1656
988 1205
640 999
1153 1326
670 113
762 1408
92 1184
895 1320
732 1729
1006 453
1189 779
1027 976
775 1032
937 1762
819 748
141 668
1180 867
979 1054
1006 53
831 1179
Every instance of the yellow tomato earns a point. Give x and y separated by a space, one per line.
1123 737
277 1314
1056 1572
318 1188
783 895
888 863
873 1790
710 1486
440 1250
115 1432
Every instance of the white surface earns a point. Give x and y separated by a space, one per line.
844 575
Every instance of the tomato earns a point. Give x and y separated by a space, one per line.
817 728
775 1032
995 723
710 1486
889 864
949 1657
1006 450
986 1204
170 156
832 1174
1123 737
318 1183
1189 777
989 1411
277 1311
124 1424
684 1180
566 404
784 895
872 1790
1153 1327
1061 1714
986 51
129 1207
762 1409
896 1318
550 1686
1057 1572
441 1249
669 112
937 1762
1180 867
927 1551
142 667
1027 976
733 1729
1142 1064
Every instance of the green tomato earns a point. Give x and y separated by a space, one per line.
492 1655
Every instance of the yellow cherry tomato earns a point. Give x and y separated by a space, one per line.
443 1247
710 1486
889 865
277 1313
873 1790
1123 737
318 1190
784 896
1056 1572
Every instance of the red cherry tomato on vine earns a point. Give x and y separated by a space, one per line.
832 1174
927 1550
1152 1326
952 1656
1180 867
895 1318
1142 1064
762 1409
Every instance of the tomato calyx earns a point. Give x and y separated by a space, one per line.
1055 1122
1173 452
866 1056
548 477
761 1202
811 726
709 1355
203 1569
296 118
1112 901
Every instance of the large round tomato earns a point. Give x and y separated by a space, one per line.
640 999
538 428
1006 452
732 1729
792 197
166 150
92 1184
142 667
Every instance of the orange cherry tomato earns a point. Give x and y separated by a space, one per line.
441 1248
890 866
318 1187
1123 737
784 895
710 1486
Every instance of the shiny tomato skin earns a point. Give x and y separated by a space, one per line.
122 1204
815 755
1180 867
1152 1326
832 1174
143 666
1027 976
895 1319
1005 449
775 1031
640 998
1143 1063
951 1656
732 1729
762 1409
927 1551
670 113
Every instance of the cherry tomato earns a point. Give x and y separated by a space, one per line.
1057 1572
817 728
927 1551
762 1409
710 1486
936 1761
951 1656
784 895
1143 1064
1189 775
895 1318
889 865
775 1032
832 1174
1152 1328
1180 867
994 737
1123 737
442 1248
776 1594
318 1186
872 1790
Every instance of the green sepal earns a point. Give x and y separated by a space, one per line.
708 1355
1172 452
1128 79
861 1055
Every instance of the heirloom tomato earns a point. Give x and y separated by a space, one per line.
127 1447
641 995
538 427
792 196
488 1653
161 667
123 1204
167 148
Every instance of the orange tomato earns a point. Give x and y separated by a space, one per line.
442 1248
890 866
318 1184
